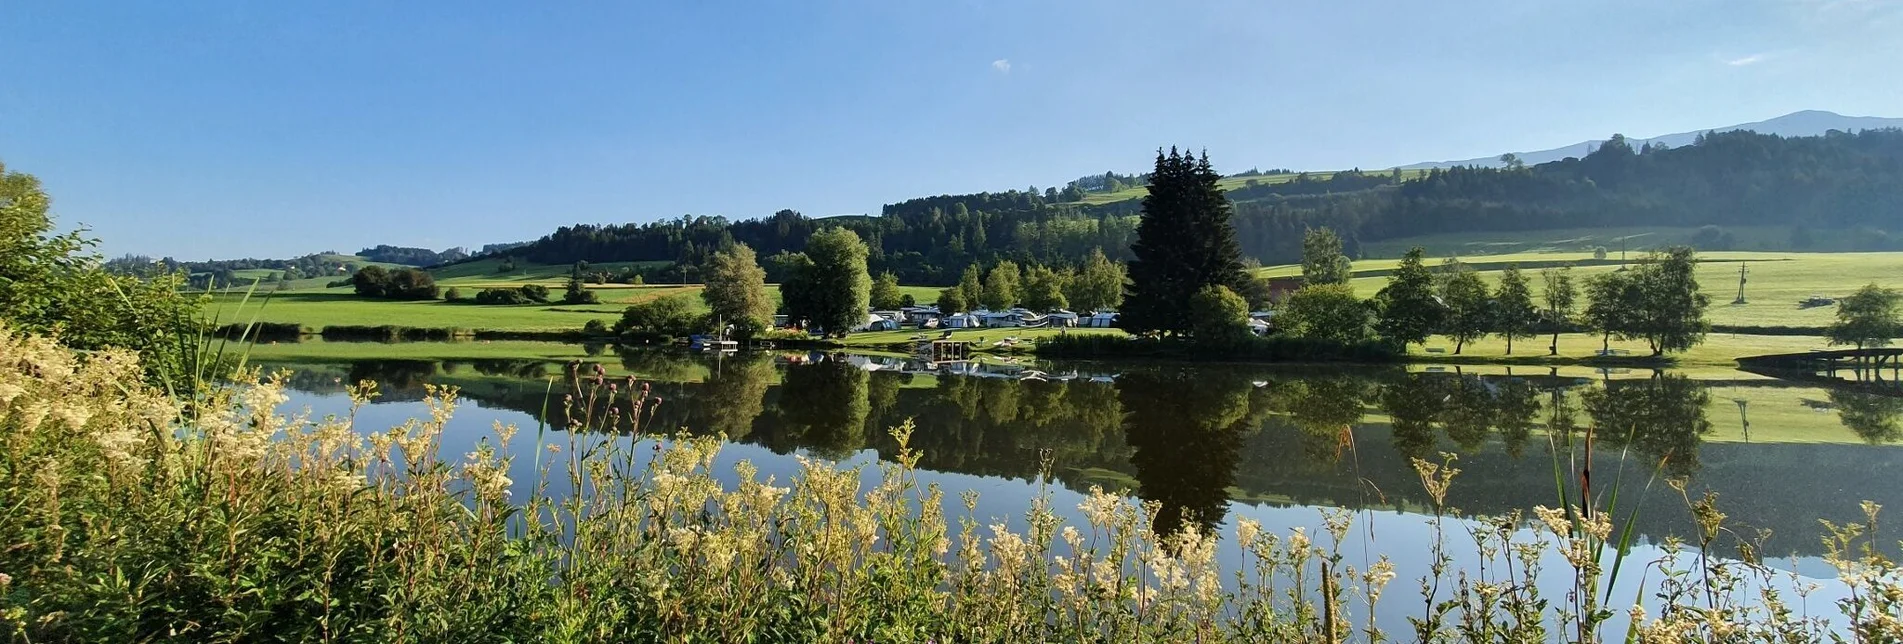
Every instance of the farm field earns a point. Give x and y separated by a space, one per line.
1634 239
1777 281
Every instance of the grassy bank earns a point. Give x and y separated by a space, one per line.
131 518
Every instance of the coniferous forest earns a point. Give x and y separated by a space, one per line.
1849 181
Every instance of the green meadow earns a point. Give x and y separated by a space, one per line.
1777 281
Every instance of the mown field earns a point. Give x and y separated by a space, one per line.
1777 281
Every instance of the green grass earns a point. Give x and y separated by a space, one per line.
1638 238
1778 281
341 307
1719 350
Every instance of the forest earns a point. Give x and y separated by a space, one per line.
1837 181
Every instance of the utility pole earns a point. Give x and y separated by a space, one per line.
1741 281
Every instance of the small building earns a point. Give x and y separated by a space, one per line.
1101 320
1282 287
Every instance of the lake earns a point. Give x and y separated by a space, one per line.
1211 443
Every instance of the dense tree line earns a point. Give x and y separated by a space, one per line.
408 256
1734 178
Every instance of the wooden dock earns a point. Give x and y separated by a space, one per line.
1829 361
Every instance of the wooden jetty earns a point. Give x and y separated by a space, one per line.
1829 361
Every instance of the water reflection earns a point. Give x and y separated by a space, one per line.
1193 439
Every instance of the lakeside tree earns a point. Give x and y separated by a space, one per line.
1406 309
1185 242
1322 259
736 290
1870 317
1044 289
1219 315
1325 312
1470 310
1514 314
885 291
1560 299
1098 286
1670 314
841 287
1609 298
970 288
1001 286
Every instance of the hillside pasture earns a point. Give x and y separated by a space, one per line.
1776 281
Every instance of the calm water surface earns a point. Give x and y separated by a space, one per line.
1213 443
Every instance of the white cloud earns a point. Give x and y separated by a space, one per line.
1742 61
1003 65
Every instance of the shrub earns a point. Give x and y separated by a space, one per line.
578 293
526 294
454 294
1328 312
1217 314
401 284
596 327
535 293
661 317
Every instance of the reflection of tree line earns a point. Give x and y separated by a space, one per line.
1189 438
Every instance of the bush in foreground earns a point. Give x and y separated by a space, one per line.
132 517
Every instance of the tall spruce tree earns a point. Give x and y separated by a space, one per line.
1185 243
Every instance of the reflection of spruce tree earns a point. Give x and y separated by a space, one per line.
1187 434
1412 403
1321 408
1874 417
999 398
1516 402
823 408
1662 417
735 394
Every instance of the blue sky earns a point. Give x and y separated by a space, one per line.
231 129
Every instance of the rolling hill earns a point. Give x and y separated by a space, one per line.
1804 123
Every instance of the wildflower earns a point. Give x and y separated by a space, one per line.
1247 530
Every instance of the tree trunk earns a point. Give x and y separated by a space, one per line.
1458 343
1509 344
1554 350
1605 342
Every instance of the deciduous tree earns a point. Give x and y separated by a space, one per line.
1406 308
1870 317
736 290
1322 259
1470 309
1001 286
1560 299
1514 314
885 291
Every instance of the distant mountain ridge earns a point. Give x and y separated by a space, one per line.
1804 123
